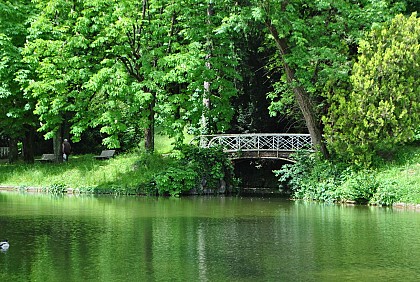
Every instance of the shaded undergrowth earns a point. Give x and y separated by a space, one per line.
394 178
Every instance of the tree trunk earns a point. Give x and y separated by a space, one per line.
205 125
13 150
65 128
149 132
302 97
57 141
28 145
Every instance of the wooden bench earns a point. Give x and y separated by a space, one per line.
105 154
46 158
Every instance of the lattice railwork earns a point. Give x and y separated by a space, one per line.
279 142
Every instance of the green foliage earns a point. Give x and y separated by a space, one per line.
118 66
125 174
387 193
383 108
212 164
359 187
291 175
131 173
196 168
312 178
56 188
17 109
417 134
65 61
395 180
175 180
319 39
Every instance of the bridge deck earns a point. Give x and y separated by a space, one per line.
262 145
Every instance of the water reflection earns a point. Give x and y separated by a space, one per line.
90 238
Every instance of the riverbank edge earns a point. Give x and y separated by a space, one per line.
34 189
393 180
76 191
72 192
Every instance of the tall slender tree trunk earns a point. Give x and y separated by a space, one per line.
57 141
302 96
149 131
65 128
13 150
205 125
28 145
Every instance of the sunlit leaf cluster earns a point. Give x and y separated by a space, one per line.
383 108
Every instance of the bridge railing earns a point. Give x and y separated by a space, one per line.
257 142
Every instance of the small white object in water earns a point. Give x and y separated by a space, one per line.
4 245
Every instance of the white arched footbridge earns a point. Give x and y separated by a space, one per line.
258 145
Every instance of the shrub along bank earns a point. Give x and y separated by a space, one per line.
137 172
392 179
396 179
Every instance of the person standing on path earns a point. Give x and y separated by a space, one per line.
66 148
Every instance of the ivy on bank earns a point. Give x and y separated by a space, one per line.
202 170
313 178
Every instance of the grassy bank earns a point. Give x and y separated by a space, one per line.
401 176
393 179
135 172
124 173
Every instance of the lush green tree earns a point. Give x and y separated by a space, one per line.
163 47
122 66
17 120
383 108
315 42
56 68
74 76
204 67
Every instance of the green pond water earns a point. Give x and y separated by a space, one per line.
91 238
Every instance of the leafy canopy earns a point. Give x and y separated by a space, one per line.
383 108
